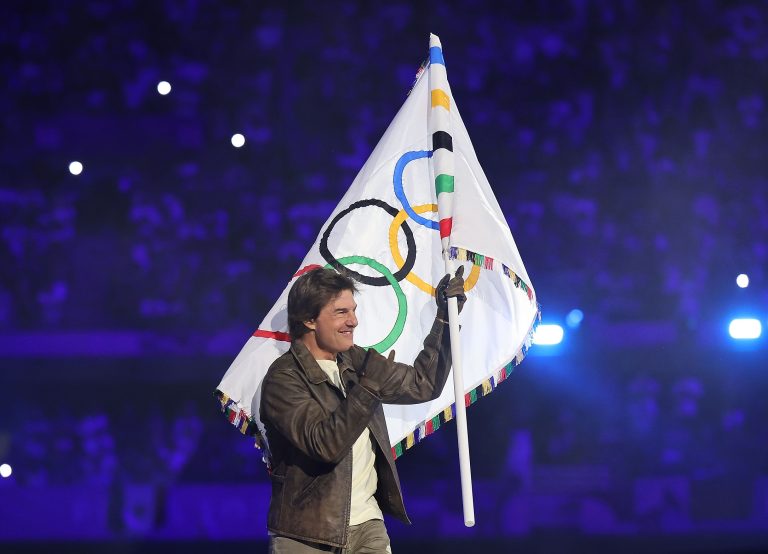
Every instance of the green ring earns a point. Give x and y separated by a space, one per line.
402 303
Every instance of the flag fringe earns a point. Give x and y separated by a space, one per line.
464 255
239 417
486 387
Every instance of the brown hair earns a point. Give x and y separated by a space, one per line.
310 293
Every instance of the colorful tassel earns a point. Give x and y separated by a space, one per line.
463 255
239 418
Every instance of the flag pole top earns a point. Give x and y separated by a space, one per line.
434 40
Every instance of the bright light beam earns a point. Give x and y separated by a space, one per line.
5 470
742 280
745 328
548 335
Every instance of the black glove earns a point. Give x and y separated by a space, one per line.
448 288
375 371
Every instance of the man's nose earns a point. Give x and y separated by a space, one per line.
352 320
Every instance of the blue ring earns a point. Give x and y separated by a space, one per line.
397 179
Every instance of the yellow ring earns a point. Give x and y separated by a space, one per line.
394 227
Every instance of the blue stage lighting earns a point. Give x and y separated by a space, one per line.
574 318
745 328
548 335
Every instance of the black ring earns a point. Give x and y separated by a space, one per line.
399 275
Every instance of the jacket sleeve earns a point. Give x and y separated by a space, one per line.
287 403
424 380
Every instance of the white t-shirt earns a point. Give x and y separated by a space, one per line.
364 479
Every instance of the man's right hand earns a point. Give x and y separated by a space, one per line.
450 287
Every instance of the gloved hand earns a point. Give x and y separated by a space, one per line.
374 372
448 288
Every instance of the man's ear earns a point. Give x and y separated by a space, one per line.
310 324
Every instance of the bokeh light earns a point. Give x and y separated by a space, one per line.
75 168
742 280
574 318
238 140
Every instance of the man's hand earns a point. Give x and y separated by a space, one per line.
450 288
374 371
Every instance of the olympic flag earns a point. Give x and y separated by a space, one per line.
384 235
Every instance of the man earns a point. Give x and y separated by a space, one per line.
332 470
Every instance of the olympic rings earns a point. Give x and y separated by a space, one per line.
402 304
406 265
474 273
405 268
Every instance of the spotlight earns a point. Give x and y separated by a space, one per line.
745 328
574 318
238 140
548 335
742 280
75 168
5 470
163 87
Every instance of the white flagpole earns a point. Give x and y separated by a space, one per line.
461 411
443 165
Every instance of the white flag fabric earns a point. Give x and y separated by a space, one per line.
386 234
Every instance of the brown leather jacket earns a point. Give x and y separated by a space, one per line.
311 427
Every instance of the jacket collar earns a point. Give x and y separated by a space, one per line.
345 361
309 365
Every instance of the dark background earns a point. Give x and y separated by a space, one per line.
625 141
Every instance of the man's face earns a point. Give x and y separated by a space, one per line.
335 324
